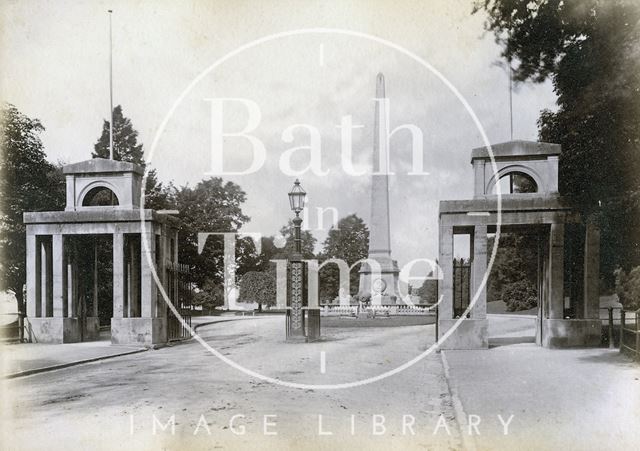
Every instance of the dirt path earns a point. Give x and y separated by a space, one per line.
112 404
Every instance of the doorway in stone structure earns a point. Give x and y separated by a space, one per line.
90 284
515 285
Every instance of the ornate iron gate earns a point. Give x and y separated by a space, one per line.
180 291
461 286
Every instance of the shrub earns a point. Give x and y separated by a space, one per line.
628 288
520 295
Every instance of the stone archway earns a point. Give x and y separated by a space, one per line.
546 209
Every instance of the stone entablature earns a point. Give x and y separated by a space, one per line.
536 159
124 179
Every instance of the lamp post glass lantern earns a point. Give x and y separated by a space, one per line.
297 197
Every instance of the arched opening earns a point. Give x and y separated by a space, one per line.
516 183
100 196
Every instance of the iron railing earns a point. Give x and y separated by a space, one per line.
630 333
180 291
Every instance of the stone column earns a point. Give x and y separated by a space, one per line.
445 285
161 249
71 286
33 276
148 289
591 271
95 278
59 275
118 275
134 277
478 177
45 280
556 271
479 310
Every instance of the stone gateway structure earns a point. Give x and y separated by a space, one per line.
102 202
527 173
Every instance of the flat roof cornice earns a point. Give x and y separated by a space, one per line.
518 148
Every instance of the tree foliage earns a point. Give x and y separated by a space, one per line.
210 296
516 259
348 241
428 291
258 287
308 242
158 195
520 295
125 140
628 288
590 49
28 182
211 206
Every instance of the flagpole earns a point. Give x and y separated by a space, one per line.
510 99
510 73
110 87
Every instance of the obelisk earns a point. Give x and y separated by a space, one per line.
382 286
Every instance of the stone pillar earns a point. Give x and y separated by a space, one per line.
95 278
45 280
161 249
479 268
478 177
445 285
556 271
134 278
118 275
148 289
33 276
59 275
71 286
591 271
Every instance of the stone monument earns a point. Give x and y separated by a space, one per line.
381 285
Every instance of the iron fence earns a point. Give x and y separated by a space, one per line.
630 333
180 291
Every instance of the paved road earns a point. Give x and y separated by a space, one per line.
96 406
582 399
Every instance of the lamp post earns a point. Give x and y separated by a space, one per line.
296 272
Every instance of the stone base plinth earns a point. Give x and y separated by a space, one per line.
470 334
313 324
62 330
569 333
139 331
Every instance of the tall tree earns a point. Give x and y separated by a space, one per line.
125 140
158 195
590 49
28 182
348 241
211 206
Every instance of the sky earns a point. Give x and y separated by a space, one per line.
56 68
